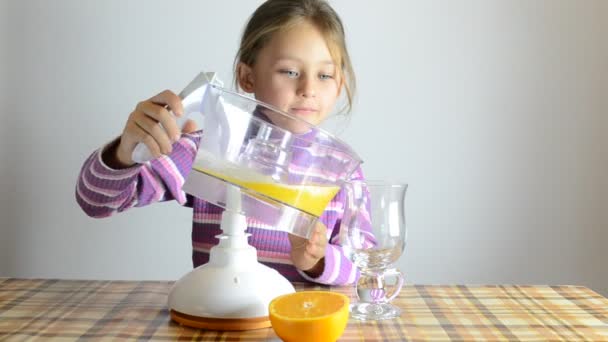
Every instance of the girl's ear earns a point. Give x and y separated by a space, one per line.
244 75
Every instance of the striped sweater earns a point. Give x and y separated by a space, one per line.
102 191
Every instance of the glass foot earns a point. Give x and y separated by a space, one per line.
374 312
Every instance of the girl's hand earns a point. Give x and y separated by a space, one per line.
308 255
144 125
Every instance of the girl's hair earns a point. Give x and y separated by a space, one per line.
277 15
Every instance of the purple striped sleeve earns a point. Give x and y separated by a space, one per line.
102 191
174 168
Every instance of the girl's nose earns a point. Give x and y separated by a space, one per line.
306 86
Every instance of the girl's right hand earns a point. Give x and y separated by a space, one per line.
144 125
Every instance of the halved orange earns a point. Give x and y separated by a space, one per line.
317 316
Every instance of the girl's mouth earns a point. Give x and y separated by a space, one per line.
303 110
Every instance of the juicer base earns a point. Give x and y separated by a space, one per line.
210 323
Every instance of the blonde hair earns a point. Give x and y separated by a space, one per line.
277 15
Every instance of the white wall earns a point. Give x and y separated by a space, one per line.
604 12
500 130
4 161
493 111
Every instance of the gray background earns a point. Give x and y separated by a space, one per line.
494 112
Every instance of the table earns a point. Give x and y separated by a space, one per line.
121 310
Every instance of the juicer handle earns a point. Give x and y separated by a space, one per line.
197 87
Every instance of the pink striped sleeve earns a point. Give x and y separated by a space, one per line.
339 270
102 191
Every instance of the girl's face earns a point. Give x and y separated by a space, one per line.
295 72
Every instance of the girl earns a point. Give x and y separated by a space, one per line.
293 56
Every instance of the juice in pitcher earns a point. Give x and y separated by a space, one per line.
311 199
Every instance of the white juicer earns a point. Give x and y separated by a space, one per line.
254 161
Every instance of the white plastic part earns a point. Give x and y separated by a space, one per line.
191 96
233 284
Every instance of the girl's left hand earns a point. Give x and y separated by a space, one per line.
307 255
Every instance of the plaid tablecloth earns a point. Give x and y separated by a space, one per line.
121 310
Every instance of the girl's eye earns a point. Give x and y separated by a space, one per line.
290 73
326 76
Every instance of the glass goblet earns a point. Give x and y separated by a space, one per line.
373 237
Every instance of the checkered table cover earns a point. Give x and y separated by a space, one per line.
121 310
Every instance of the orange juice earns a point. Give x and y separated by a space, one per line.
309 198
